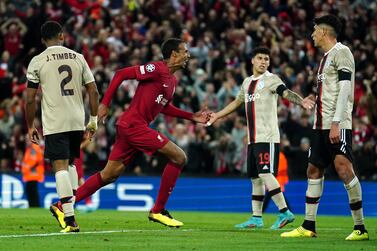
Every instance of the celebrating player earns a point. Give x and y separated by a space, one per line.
153 95
332 130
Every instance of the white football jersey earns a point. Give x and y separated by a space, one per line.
338 58
260 98
61 73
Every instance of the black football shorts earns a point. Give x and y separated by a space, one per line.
322 153
262 158
65 145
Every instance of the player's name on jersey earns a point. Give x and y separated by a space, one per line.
60 56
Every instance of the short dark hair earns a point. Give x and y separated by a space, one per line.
170 45
331 21
260 50
50 30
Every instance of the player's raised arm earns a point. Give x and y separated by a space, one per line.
306 103
174 111
201 116
118 78
225 111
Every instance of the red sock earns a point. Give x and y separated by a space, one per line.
91 185
168 179
88 201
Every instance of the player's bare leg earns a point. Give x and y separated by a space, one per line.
177 159
346 173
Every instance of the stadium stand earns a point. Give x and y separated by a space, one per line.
221 35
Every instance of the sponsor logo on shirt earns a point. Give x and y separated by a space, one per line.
161 100
251 97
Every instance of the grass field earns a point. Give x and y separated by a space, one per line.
35 229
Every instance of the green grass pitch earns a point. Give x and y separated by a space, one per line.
36 229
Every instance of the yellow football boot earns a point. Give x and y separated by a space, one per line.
165 219
356 235
58 214
298 233
70 229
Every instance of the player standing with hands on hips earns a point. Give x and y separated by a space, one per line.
61 73
260 94
332 131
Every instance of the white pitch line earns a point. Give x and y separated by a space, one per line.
92 232
147 230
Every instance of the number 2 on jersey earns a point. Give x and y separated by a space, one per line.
66 80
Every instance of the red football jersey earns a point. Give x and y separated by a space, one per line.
155 90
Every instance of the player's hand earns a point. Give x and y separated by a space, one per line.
334 135
33 135
308 103
91 127
202 116
103 111
213 119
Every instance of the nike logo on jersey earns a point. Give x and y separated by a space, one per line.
164 85
160 138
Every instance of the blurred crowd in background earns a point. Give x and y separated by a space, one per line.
221 35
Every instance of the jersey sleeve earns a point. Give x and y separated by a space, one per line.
344 60
87 75
33 69
241 93
275 83
147 72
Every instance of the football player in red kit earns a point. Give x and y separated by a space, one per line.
153 96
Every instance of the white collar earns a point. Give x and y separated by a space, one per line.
338 43
54 46
260 76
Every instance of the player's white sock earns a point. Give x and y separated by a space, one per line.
64 189
274 189
73 178
313 195
355 200
257 196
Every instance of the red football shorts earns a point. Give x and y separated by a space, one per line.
130 140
